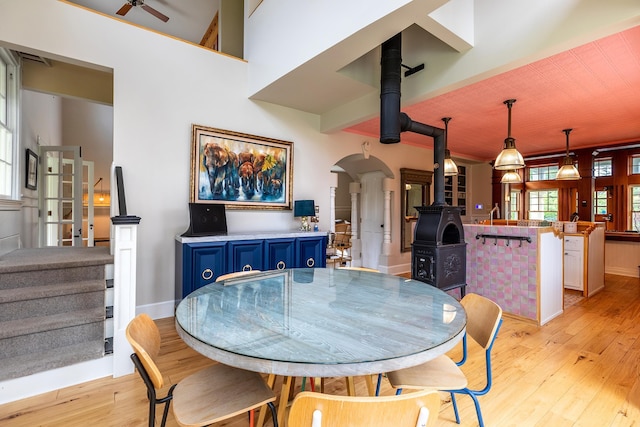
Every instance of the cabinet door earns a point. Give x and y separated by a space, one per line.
279 253
311 252
208 262
574 263
246 255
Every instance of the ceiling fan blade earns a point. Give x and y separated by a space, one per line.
155 13
124 9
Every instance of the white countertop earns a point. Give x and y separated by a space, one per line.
251 235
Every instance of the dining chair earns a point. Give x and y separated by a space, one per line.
484 318
236 275
342 242
418 409
210 395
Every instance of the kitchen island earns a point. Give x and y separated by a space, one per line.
518 267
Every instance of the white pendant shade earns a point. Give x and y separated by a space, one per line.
567 172
450 167
509 157
511 177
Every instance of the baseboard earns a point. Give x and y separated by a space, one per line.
622 271
43 382
158 310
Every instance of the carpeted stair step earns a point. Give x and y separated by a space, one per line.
17 277
38 325
21 303
58 357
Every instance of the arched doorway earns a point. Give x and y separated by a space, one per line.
362 185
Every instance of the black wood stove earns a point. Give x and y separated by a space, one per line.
439 252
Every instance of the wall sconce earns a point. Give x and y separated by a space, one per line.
365 149
304 209
567 171
450 167
509 157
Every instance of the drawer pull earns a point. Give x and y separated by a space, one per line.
247 268
207 274
281 265
311 262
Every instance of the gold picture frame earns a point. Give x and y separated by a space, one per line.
239 170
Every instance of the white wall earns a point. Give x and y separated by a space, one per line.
161 87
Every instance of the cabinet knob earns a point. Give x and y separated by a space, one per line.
281 265
207 274
311 262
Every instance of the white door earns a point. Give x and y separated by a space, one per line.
60 197
371 218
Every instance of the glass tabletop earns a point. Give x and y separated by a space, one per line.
298 318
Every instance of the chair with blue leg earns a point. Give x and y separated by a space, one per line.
484 318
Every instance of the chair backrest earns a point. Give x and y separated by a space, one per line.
483 318
236 274
343 235
405 410
144 336
372 270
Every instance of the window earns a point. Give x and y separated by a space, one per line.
514 204
543 205
8 122
635 208
635 164
543 173
602 167
600 202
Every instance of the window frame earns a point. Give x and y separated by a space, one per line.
12 100
547 170
530 193
630 224
596 166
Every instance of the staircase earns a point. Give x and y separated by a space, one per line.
52 308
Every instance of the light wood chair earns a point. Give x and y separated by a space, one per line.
206 397
342 242
236 274
484 318
419 409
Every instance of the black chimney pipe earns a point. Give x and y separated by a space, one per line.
393 122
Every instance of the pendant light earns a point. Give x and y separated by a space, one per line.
509 157
450 167
511 177
567 171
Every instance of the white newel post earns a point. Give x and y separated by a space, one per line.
387 188
332 209
356 248
124 284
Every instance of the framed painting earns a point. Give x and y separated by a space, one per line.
31 169
239 170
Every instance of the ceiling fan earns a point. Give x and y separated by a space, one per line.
130 3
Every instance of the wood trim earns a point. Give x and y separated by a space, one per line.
210 37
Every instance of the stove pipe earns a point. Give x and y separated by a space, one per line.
393 122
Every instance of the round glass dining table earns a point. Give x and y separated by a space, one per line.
320 322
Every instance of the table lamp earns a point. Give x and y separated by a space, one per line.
304 209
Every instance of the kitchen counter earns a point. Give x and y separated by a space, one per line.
520 268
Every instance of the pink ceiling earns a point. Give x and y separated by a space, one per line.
594 89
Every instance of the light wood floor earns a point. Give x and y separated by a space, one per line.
581 369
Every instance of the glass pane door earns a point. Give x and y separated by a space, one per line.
61 197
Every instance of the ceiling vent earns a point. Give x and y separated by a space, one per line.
34 58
